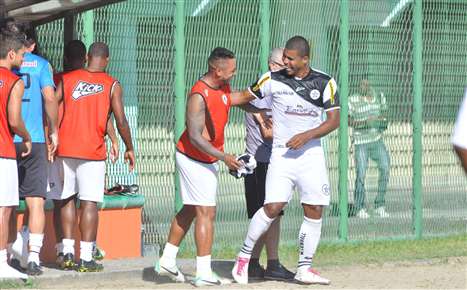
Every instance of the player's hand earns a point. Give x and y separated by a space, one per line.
53 144
114 152
297 141
129 158
231 162
28 145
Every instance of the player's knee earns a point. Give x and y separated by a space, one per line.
206 212
313 211
272 210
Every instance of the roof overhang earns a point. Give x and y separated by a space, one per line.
39 12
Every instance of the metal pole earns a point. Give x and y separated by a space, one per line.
88 28
265 14
179 84
343 129
417 118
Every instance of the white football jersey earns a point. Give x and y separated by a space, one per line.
297 104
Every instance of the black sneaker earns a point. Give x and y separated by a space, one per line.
16 264
90 266
255 271
34 269
59 259
68 262
278 273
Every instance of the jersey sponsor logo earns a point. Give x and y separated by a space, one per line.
29 64
84 89
1 83
326 190
315 94
224 99
299 110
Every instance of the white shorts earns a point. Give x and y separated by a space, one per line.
198 181
304 170
55 180
9 194
85 177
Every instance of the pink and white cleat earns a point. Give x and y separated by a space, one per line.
310 276
240 270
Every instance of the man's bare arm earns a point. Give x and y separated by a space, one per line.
122 124
195 120
15 120
51 108
331 123
241 97
462 153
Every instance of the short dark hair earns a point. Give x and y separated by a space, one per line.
99 49
9 42
299 44
220 53
21 30
75 49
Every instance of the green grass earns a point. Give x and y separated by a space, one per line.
17 284
340 254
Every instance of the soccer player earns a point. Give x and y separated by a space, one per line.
299 95
11 122
199 149
65 210
259 144
89 97
36 74
459 135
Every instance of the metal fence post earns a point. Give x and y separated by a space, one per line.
179 84
343 129
417 118
265 34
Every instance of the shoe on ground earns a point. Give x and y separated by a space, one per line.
68 262
381 212
363 214
211 280
8 272
91 266
59 259
310 276
162 269
16 264
278 273
255 271
97 253
240 270
34 269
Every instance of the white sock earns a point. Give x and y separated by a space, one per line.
259 224
3 256
68 246
203 266
35 245
309 236
22 238
85 251
59 248
169 255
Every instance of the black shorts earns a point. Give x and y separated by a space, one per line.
32 171
255 188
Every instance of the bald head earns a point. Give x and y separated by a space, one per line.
275 61
99 49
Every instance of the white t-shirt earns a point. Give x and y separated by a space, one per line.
297 104
459 135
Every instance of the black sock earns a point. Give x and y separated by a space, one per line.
254 261
273 263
